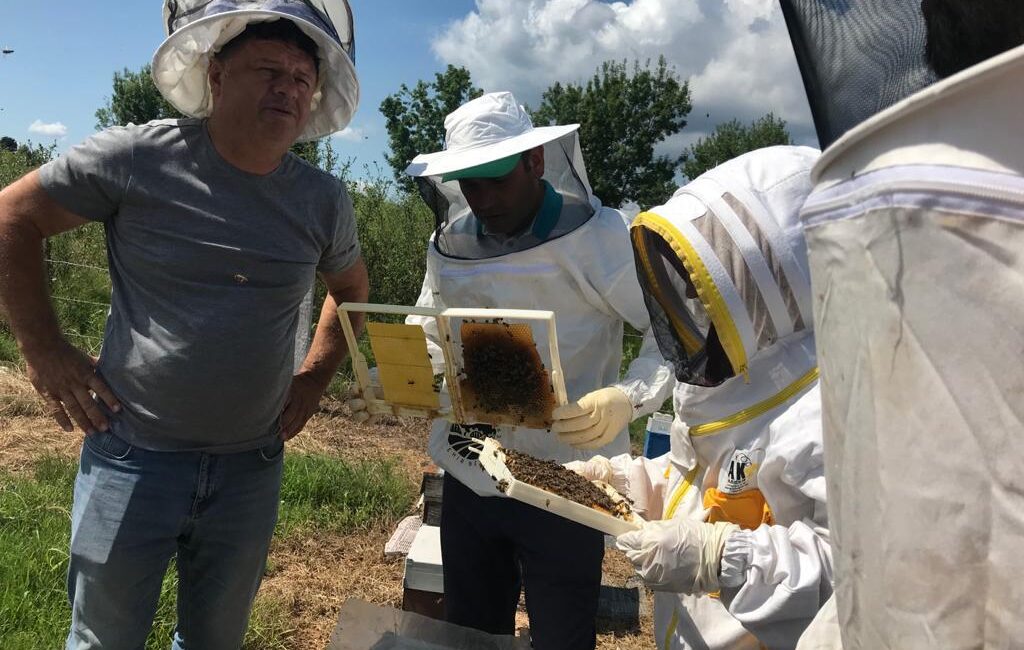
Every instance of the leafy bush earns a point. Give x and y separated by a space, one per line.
24 158
393 229
79 284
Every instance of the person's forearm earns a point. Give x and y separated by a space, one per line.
23 297
329 347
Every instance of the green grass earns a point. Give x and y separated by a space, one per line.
35 519
8 347
318 494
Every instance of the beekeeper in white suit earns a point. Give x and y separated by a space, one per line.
518 227
737 542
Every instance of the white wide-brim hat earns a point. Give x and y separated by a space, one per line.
197 29
488 128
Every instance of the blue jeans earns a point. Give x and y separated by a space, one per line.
135 509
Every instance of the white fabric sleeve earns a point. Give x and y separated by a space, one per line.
789 571
736 559
430 297
788 579
649 379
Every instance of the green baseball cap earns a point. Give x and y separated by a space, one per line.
494 169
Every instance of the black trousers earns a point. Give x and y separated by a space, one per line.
492 547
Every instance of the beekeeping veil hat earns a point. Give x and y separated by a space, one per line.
724 274
482 138
857 57
198 29
723 264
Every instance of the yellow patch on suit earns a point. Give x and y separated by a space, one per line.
748 510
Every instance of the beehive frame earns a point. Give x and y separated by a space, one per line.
406 359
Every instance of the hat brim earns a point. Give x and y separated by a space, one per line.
493 169
453 160
182 61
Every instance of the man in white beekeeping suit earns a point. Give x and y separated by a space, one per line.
519 228
736 544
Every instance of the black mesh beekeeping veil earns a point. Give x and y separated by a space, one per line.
857 57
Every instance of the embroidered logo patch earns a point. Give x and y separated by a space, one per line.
740 473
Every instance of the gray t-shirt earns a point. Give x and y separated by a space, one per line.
208 265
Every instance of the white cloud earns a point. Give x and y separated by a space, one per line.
52 129
736 54
351 134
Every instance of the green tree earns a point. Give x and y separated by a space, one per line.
732 139
135 99
8 143
623 112
415 117
321 154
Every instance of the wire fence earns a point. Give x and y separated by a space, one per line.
76 264
91 340
81 302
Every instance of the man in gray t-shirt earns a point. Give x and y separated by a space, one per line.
206 289
214 235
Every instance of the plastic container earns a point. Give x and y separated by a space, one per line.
656 440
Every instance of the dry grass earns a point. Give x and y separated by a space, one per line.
331 432
24 439
25 432
17 397
313 574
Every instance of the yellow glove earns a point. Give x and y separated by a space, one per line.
593 421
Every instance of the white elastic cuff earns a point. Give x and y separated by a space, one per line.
736 558
713 542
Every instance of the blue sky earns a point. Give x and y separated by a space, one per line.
735 55
66 53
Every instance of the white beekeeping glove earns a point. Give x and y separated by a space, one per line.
677 555
601 469
595 420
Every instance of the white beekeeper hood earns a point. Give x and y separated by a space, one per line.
488 128
915 230
734 235
198 29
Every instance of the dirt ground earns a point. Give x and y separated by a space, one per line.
314 575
